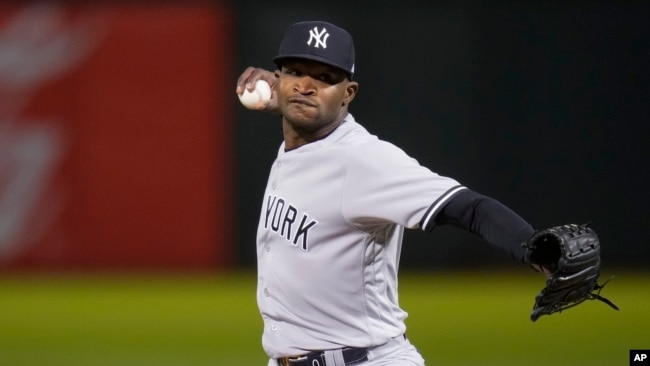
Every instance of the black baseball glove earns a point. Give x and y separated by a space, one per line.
571 253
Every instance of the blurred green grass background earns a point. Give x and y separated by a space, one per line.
456 318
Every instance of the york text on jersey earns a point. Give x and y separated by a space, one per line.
281 217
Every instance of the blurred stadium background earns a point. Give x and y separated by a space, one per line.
130 177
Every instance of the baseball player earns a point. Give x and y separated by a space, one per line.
334 210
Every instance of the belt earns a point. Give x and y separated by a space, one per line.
351 356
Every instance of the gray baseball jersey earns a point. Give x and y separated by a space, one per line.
329 240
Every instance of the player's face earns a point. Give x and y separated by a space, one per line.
313 97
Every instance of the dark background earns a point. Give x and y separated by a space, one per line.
541 105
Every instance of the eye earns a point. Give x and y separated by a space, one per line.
292 72
327 78
332 77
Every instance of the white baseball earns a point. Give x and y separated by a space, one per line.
262 92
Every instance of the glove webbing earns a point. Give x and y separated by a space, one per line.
596 295
591 296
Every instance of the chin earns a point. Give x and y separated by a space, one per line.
300 117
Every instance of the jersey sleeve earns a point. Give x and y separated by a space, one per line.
383 184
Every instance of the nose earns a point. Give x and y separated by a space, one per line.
305 85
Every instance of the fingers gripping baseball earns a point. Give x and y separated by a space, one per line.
256 98
256 89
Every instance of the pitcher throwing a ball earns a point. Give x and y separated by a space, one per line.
335 207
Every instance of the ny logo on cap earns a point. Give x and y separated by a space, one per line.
319 38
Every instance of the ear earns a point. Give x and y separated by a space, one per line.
350 92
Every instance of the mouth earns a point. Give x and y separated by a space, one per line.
302 101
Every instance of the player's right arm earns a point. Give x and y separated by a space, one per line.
250 76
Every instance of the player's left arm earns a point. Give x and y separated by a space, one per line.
568 255
488 218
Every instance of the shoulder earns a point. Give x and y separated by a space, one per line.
356 138
361 149
376 155
349 133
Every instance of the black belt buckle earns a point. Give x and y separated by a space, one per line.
351 356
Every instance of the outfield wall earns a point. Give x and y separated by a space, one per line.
115 137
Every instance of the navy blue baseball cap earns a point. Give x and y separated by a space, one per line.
318 41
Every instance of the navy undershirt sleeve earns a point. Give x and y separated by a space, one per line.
489 219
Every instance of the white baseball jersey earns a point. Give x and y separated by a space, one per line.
329 240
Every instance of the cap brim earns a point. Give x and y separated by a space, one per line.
278 61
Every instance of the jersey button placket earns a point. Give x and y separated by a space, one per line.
276 174
274 184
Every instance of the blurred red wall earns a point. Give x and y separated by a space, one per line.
114 136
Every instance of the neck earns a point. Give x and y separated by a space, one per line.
295 137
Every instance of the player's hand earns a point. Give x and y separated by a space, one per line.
248 79
543 270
